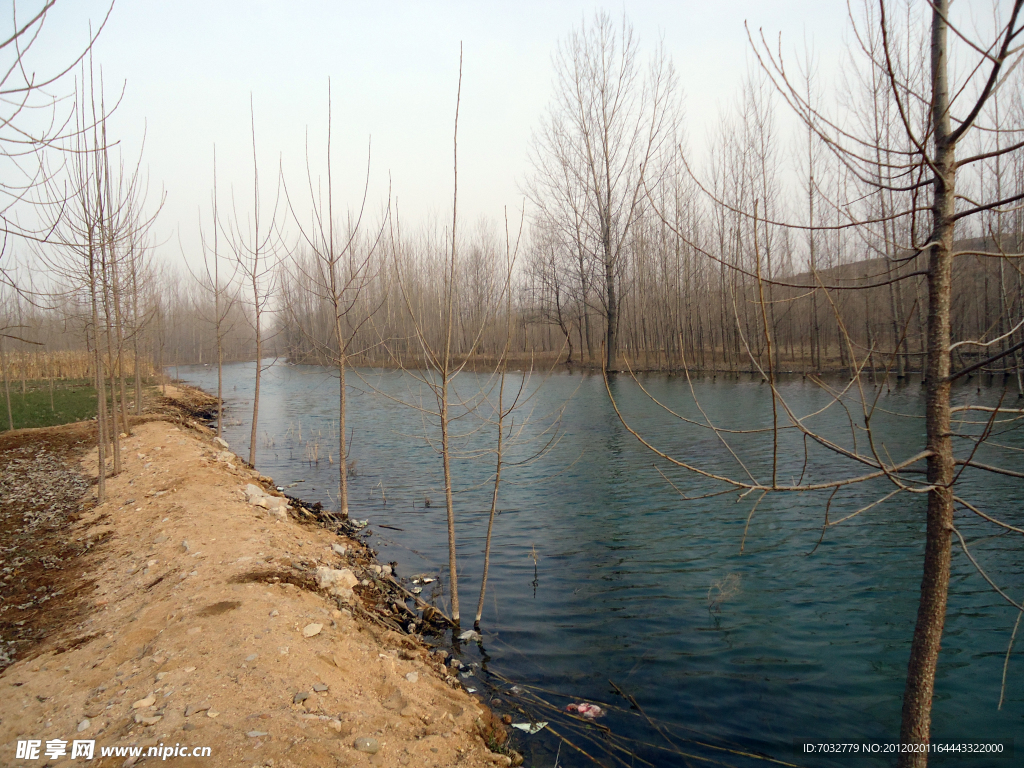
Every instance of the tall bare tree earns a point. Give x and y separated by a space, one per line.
221 289
90 238
932 122
255 242
599 146
340 273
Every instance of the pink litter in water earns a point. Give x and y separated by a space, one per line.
589 711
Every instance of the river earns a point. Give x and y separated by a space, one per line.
737 640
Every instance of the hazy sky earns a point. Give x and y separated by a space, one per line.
189 69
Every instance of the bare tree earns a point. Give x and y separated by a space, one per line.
91 232
447 330
606 129
256 246
504 408
30 122
340 274
923 164
441 365
550 290
221 290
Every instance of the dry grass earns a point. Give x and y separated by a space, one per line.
65 365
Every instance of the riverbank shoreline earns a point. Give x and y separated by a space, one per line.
202 608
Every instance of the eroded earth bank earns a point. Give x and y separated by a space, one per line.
184 610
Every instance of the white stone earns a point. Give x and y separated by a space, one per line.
336 581
253 492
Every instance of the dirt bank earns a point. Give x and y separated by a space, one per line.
184 611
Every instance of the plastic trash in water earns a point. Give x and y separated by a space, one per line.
589 711
469 636
530 728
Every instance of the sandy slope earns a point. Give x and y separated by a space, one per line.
193 610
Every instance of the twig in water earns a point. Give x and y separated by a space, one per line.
723 590
1006 663
533 556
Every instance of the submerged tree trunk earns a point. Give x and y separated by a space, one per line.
220 381
503 364
453 573
256 393
494 500
342 447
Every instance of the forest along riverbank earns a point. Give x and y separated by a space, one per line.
206 615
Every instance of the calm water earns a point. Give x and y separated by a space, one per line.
602 572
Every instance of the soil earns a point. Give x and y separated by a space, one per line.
176 612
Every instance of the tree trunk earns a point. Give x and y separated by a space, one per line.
7 385
494 499
135 337
220 383
566 331
119 325
108 321
256 393
342 449
931 614
101 399
453 574
611 333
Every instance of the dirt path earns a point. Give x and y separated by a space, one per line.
184 611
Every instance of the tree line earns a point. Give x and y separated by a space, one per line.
636 254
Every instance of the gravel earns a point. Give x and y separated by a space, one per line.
41 494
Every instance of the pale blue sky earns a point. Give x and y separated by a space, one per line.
190 68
